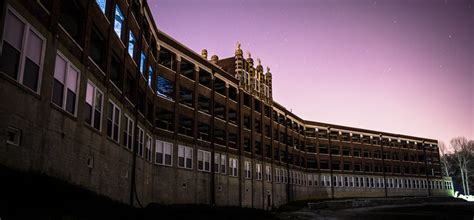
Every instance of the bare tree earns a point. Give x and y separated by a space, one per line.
461 149
444 158
470 152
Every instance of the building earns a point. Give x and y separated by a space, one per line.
94 94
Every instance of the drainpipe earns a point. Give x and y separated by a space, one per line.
330 163
212 199
288 188
426 169
383 167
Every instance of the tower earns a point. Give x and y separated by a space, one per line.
239 65
268 82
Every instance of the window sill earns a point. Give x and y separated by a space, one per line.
23 87
99 132
112 140
9 143
120 40
186 168
97 66
68 114
115 86
167 68
70 37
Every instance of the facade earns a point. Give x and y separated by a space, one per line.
91 92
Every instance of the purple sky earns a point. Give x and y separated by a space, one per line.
397 66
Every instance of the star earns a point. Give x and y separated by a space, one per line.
449 36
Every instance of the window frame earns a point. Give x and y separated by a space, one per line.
22 59
258 171
268 173
233 167
248 170
129 122
185 156
69 64
117 6
204 157
103 10
163 145
223 164
94 99
115 106
140 141
149 143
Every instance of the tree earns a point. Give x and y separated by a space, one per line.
444 158
463 154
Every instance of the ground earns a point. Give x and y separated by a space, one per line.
432 211
28 195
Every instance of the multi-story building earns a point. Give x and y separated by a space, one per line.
94 94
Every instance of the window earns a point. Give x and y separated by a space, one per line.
246 78
142 62
93 108
187 69
232 93
248 170
128 133
115 67
119 18
324 164
223 164
165 88
219 110
232 115
258 171
310 179
97 47
163 153
204 78
71 19
150 76
204 160
141 142
167 59
186 97
23 63
13 136
47 4
323 149
131 44
233 170
219 136
266 90
102 4
185 157
277 175
217 162
247 122
148 147
165 119
185 125
219 86
268 173
66 81
113 122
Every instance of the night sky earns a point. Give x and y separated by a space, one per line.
405 67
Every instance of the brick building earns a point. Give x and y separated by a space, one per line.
93 93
